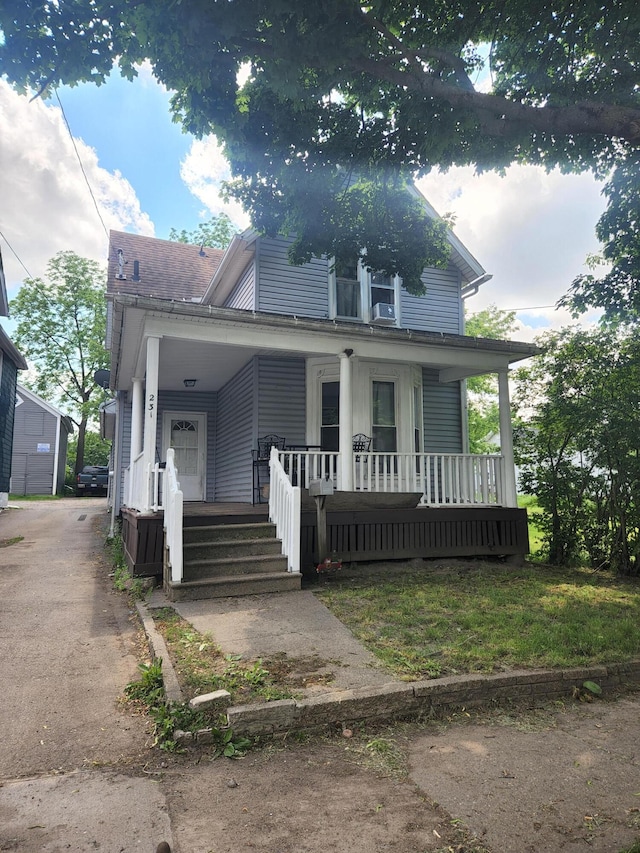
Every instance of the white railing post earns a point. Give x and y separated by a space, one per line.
173 517
285 506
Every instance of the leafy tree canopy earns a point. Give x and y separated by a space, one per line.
61 325
344 103
216 233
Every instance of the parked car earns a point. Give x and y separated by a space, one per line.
94 480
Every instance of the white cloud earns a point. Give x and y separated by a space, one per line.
203 170
531 229
46 204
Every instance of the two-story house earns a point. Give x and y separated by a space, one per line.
352 379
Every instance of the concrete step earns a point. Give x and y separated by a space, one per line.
225 566
225 586
219 549
228 532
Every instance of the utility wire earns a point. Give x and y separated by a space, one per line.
17 256
75 148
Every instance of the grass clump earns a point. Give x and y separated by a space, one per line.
202 668
123 581
168 718
488 617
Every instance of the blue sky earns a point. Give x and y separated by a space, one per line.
530 229
130 125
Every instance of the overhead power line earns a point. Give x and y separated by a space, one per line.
16 255
75 148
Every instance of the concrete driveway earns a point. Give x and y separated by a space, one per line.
66 652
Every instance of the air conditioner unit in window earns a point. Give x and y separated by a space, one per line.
384 313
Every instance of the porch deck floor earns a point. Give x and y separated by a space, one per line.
198 509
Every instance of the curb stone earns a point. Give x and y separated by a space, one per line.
159 651
395 699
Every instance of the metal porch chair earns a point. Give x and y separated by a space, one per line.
261 462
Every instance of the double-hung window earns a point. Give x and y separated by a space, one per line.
348 294
355 291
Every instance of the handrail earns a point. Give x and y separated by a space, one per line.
284 510
173 517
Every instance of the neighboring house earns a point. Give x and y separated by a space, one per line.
39 446
11 361
212 350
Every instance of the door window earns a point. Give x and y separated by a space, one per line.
184 440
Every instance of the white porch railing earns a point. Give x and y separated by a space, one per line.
306 465
284 510
173 517
443 479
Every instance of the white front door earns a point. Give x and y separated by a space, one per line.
186 432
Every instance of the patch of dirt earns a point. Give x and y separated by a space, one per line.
300 673
306 797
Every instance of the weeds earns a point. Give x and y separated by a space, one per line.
4 543
122 579
168 718
202 668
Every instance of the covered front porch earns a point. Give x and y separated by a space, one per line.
197 389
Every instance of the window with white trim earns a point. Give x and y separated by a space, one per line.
383 416
355 291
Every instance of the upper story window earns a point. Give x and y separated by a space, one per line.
355 292
348 295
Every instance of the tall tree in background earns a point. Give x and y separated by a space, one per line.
61 330
483 409
216 233
343 103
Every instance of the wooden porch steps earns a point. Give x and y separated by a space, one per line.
231 559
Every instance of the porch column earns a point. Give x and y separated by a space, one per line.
346 421
150 417
136 417
506 440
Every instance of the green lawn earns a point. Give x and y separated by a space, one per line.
486 617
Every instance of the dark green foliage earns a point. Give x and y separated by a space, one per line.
61 331
578 448
343 104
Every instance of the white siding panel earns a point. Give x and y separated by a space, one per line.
286 289
440 309
442 414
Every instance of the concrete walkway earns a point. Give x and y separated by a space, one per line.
295 624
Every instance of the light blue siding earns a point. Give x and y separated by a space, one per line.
440 309
243 294
285 289
442 414
282 398
235 437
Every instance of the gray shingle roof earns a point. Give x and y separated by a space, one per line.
167 270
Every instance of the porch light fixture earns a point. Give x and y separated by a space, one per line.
189 383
